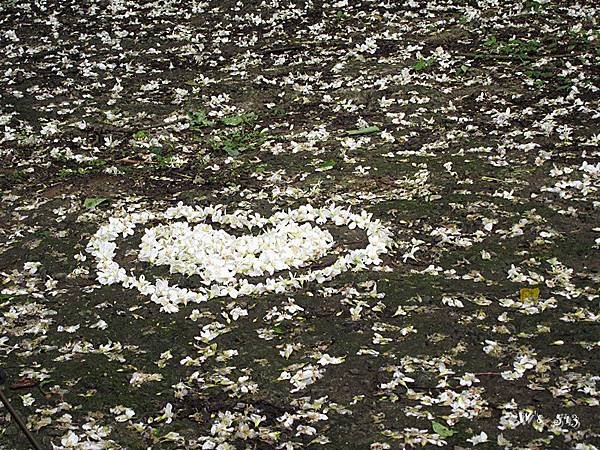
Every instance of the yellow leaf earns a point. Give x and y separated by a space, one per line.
527 293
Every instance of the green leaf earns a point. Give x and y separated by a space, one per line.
326 165
139 135
234 121
260 168
360 131
442 430
278 330
491 42
232 150
92 202
200 120
422 64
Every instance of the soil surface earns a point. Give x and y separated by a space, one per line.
468 129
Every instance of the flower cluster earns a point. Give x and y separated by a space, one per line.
194 247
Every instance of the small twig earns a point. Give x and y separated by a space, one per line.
15 415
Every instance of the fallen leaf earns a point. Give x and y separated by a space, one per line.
326 165
442 430
92 202
366 130
527 293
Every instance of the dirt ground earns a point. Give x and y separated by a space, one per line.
468 129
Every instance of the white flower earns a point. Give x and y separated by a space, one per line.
468 379
523 363
69 440
238 312
27 399
122 413
168 414
303 377
327 359
139 378
32 267
482 437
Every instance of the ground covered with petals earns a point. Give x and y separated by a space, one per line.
281 225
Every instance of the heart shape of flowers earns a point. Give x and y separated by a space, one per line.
217 256
188 244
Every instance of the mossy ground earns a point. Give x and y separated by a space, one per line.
515 116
